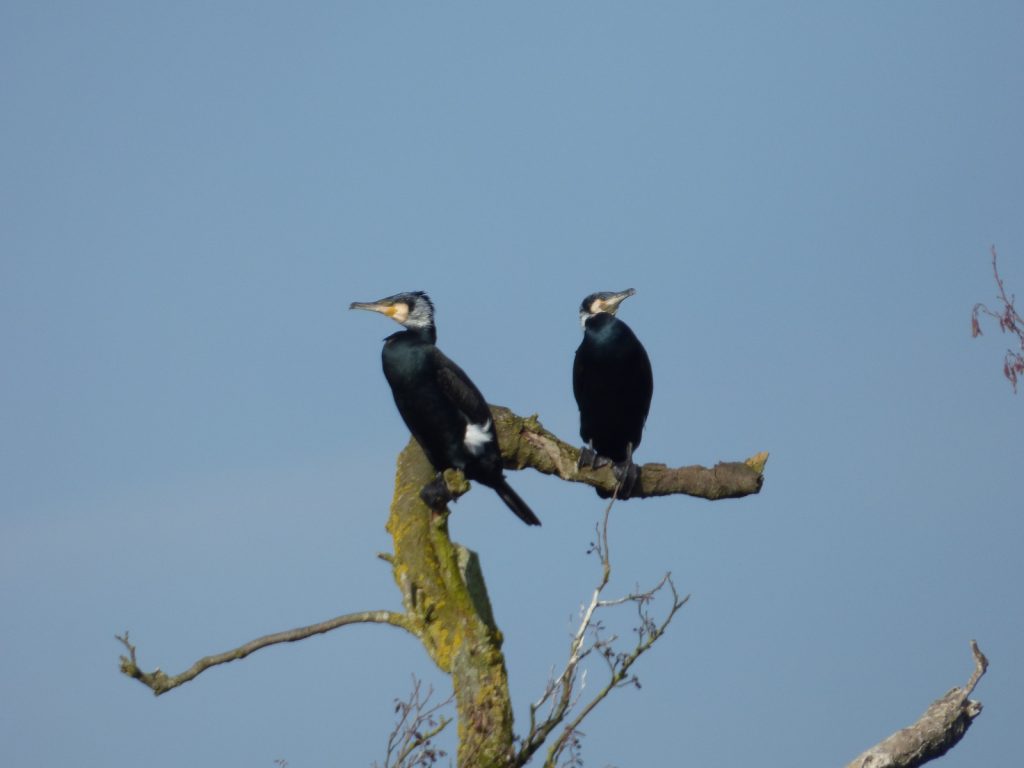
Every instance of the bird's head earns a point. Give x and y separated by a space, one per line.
605 301
413 310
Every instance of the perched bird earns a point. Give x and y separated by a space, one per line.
612 381
441 406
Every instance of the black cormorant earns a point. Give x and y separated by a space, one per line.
612 381
441 406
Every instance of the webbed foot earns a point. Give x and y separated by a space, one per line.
590 459
436 494
627 474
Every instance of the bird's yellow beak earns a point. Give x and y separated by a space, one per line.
610 302
396 310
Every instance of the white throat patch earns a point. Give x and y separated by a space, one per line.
477 436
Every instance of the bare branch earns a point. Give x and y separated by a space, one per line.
415 727
448 610
526 443
562 692
1009 322
937 731
620 664
160 682
563 684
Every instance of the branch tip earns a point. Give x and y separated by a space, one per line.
526 443
757 462
564 693
980 667
160 682
938 730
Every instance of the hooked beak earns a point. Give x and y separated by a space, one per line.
383 306
396 309
611 302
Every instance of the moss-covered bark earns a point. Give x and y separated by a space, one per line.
443 588
447 605
526 443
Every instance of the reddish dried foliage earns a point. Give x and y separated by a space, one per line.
1009 322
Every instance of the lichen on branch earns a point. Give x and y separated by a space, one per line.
526 443
445 598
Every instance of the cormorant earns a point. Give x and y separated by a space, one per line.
441 406
612 381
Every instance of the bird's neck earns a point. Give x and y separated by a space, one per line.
600 322
426 334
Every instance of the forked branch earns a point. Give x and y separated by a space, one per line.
417 722
564 693
446 605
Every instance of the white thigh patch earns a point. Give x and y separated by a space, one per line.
477 436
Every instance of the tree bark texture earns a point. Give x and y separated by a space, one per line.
526 443
936 732
446 603
442 585
447 607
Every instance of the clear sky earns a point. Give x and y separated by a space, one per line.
197 443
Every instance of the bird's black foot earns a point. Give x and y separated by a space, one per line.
627 474
436 494
590 459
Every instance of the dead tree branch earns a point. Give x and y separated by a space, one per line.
417 722
564 692
447 608
937 731
446 602
160 682
526 443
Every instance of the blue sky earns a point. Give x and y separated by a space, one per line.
198 445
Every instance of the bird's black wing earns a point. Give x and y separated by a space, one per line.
460 390
583 395
645 377
482 455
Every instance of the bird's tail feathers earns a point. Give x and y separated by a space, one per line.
515 503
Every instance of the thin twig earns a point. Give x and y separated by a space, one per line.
408 735
618 677
160 682
559 691
1009 321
